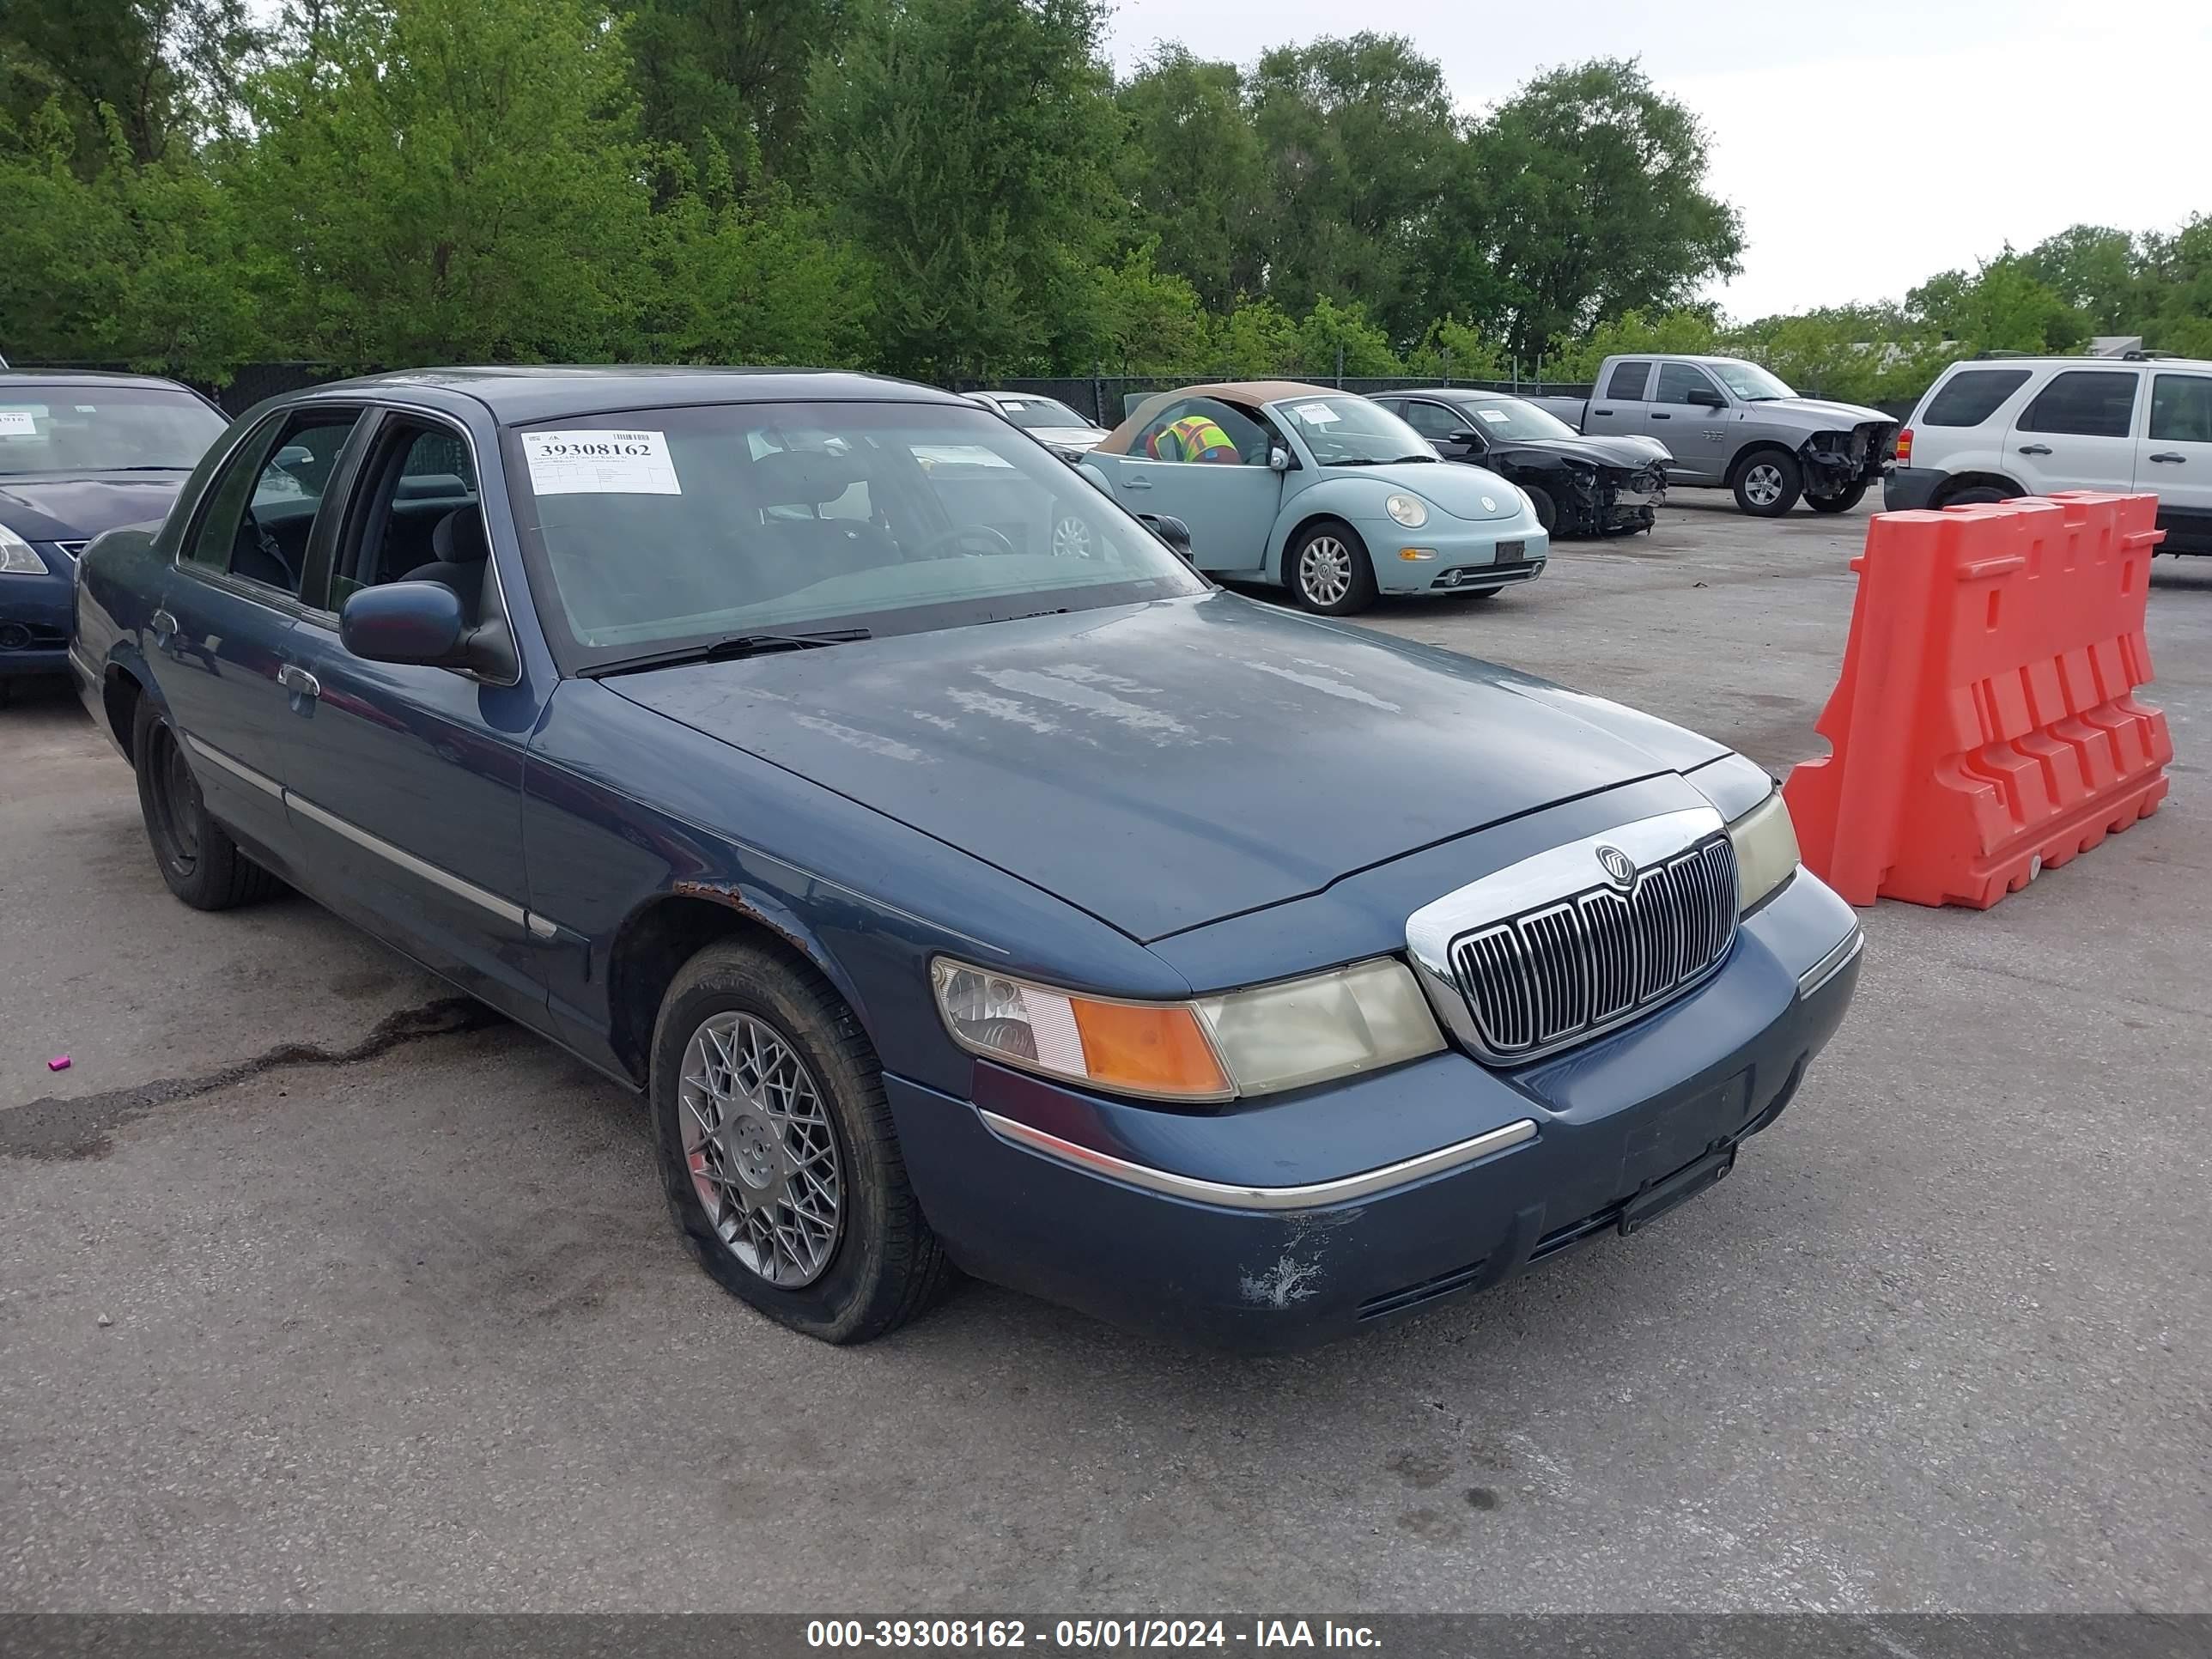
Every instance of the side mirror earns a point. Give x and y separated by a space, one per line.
1175 533
295 455
1278 459
1467 435
421 624
1705 397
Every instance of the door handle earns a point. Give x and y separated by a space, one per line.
1601 411
1136 484
163 627
2035 449
2177 460
296 680
1656 415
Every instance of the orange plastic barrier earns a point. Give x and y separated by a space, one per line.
1985 724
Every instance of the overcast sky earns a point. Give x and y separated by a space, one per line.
1868 144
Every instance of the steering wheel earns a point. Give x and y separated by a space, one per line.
952 537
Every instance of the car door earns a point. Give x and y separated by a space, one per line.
1230 504
2077 433
2174 455
405 781
1617 407
222 652
1690 414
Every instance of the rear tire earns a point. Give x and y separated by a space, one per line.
1330 571
767 1094
1843 503
202 864
1977 495
1767 482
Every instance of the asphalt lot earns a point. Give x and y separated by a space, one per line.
398 1323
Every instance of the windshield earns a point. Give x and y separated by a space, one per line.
654 529
1352 431
1509 417
1750 382
102 429
1031 413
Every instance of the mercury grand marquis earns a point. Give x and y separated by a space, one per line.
961 894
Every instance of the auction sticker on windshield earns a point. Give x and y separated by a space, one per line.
19 422
1315 414
1495 416
592 463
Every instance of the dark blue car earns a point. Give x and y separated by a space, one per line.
961 892
80 453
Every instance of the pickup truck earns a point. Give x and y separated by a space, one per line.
1732 425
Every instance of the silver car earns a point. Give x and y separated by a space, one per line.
1733 425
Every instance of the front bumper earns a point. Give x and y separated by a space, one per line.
1305 1216
1908 489
1453 555
35 613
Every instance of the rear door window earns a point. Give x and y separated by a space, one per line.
1679 382
1971 396
1627 381
2085 403
2181 409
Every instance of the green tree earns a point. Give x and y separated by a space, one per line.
1259 340
138 265
1591 185
728 75
2179 279
443 180
1457 350
967 145
2096 270
1330 329
165 71
1687 331
1191 170
1146 321
2000 307
1359 144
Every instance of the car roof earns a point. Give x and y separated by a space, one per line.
1262 392
1451 392
87 377
2083 362
520 394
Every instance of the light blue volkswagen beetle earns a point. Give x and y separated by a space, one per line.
1319 491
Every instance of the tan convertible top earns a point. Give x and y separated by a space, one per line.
1255 393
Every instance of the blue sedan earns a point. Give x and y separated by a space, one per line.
80 452
966 882
1327 494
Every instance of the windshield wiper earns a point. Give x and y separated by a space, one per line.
726 650
1377 460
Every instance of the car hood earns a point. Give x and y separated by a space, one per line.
1164 765
1465 492
1817 414
1634 453
76 506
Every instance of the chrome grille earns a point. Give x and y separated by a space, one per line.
1551 976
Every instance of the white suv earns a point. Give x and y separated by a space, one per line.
1992 429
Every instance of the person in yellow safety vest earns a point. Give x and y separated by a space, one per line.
1193 438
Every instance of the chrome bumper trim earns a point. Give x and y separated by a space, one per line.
239 770
1230 1196
1832 963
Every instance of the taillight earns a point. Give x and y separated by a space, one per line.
1904 446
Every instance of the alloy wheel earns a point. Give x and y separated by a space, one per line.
1762 483
1325 570
1071 539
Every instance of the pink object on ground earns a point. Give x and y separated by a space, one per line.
58 1063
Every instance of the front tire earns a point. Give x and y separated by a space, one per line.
777 1152
1767 482
1329 570
1978 495
1547 509
1851 496
197 858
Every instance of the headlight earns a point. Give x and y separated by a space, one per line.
17 557
1410 511
1248 1042
1766 848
